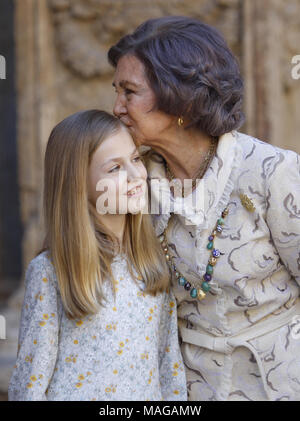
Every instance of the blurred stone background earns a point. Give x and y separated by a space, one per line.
56 64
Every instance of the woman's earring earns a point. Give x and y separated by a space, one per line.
180 121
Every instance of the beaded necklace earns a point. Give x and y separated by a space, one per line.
197 291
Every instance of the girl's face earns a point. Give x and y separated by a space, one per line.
135 99
117 176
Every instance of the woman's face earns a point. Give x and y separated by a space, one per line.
117 176
135 99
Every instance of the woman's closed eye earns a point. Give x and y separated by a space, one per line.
128 91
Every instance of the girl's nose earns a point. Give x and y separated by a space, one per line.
133 173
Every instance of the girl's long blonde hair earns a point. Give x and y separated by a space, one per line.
80 247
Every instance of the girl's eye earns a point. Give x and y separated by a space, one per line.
114 168
137 159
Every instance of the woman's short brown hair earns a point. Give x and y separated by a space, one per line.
191 70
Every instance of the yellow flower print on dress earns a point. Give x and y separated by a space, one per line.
71 358
145 356
111 389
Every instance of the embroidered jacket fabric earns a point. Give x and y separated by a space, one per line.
256 277
128 351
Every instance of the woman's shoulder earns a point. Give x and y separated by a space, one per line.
260 150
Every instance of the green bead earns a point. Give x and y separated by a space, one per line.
181 281
205 286
209 269
220 221
210 245
194 293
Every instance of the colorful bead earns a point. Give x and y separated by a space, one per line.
201 294
193 293
216 253
210 245
187 286
219 228
220 221
211 238
209 269
181 281
212 261
207 277
205 286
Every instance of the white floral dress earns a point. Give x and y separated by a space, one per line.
128 351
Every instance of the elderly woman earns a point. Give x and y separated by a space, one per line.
234 252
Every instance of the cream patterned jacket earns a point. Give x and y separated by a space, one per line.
253 300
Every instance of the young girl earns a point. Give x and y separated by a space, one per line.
97 322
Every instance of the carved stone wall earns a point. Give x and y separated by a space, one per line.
271 37
62 68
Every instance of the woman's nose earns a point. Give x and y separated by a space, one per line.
119 106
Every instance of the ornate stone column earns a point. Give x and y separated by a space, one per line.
271 37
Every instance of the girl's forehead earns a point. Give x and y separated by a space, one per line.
116 146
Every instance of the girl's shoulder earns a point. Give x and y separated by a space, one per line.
41 267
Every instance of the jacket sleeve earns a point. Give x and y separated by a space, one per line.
38 334
283 207
172 373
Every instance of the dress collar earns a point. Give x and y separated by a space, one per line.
211 194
